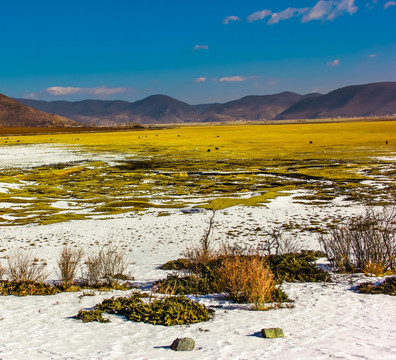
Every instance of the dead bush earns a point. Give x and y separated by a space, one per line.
24 266
247 278
68 262
277 243
105 267
365 243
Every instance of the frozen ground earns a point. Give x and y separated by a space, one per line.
328 321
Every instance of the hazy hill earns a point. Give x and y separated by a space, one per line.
256 107
153 109
164 109
101 112
376 99
14 113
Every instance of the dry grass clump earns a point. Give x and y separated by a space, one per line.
68 263
248 278
366 243
244 275
25 274
24 266
106 267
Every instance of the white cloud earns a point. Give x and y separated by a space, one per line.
329 10
102 90
319 11
259 15
335 62
233 79
324 10
283 15
389 3
228 19
60 90
372 55
200 79
343 7
201 47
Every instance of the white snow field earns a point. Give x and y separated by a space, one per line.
328 321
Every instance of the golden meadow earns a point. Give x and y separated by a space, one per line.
201 166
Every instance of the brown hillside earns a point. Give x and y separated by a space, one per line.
14 113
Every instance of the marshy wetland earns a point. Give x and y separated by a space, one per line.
51 178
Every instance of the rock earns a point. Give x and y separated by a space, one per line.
272 333
183 344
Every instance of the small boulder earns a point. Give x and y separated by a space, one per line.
272 333
183 344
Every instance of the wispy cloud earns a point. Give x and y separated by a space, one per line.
389 3
259 15
329 10
372 55
200 47
325 10
333 63
283 15
200 79
233 79
101 90
60 90
231 18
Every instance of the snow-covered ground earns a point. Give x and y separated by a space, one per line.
328 321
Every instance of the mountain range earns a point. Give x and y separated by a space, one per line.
375 99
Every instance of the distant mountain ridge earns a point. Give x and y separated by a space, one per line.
162 109
256 107
376 99
13 113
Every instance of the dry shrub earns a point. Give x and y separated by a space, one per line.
365 243
23 266
247 277
105 267
277 243
68 263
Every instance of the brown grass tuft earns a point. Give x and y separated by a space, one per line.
68 263
247 277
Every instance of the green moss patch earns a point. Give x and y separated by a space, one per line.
297 267
167 311
24 288
388 287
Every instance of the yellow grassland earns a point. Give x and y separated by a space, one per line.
238 141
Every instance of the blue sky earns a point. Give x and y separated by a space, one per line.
196 51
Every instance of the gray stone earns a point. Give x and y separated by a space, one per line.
183 344
272 333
